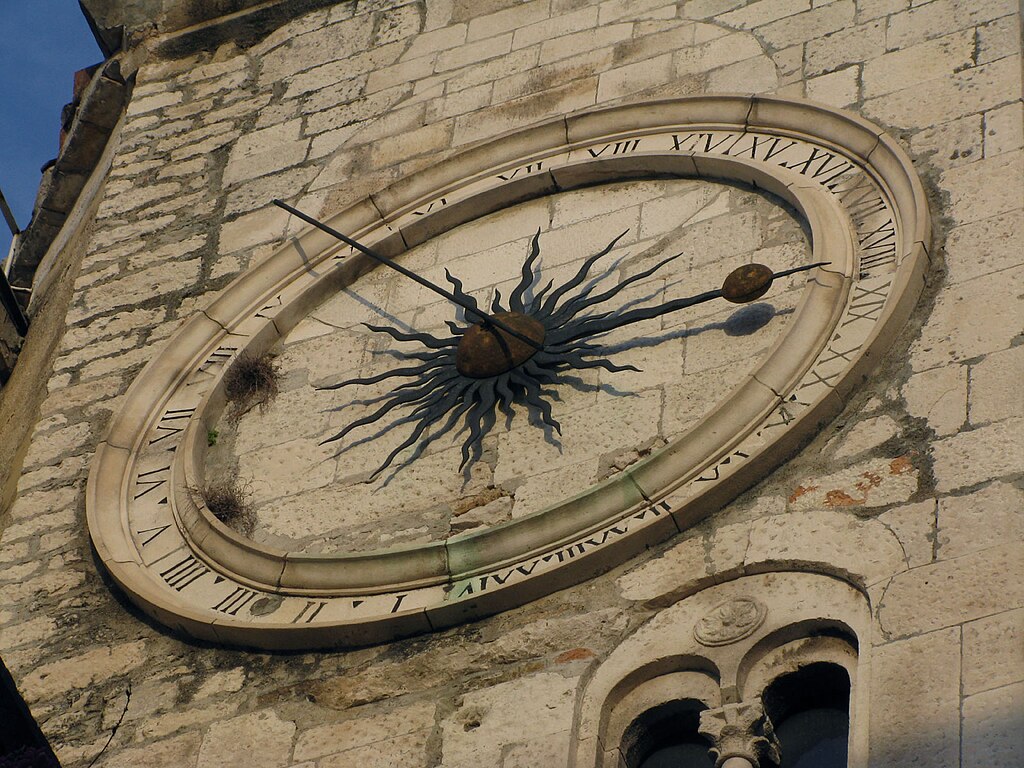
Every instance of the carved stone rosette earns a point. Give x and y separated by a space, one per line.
741 730
730 621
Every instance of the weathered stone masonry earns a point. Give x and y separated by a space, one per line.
913 493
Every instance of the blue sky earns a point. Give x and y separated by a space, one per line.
44 42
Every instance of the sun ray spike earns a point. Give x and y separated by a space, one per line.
515 300
428 340
579 277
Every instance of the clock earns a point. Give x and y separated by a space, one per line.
569 461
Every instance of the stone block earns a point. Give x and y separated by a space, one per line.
266 151
870 483
947 97
983 189
683 563
951 592
994 727
179 751
529 109
76 672
808 25
979 520
984 246
440 39
487 720
839 89
407 70
995 387
977 456
915 701
583 43
555 27
855 45
950 144
914 526
474 53
717 53
507 20
962 326
754 75
866 550
916 64
261 226
407 749
256 740
132 289
140 106
430 139
993 652
1004 129
762 12
927 20
634 78
374 727
863 436
397 24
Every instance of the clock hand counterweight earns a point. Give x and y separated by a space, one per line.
483 316
744 284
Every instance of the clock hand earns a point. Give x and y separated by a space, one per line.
483 316
744 284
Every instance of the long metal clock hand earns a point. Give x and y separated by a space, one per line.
470 308
743 285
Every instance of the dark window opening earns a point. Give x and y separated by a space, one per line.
667 737
810 710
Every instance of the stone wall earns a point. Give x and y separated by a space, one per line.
913 493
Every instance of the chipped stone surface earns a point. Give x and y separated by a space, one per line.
486 720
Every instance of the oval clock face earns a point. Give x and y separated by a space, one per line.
434 467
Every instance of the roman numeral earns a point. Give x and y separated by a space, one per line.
524 169
159 529
837 355
184 572
878 247
217 358
439 203
866 304
234 602
618 148
823 158
309 611
710 145
819 379
398 603
151 482
770 144
861 200
716 471
172 423
273 304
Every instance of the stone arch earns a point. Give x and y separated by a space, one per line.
750 630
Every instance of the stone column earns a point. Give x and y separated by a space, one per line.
742 735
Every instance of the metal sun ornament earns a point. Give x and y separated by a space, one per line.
515 351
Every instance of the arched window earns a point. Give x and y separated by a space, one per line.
810 711
667 736
758 672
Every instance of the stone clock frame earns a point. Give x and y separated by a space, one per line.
867 216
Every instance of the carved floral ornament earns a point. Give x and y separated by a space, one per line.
730 621
866 212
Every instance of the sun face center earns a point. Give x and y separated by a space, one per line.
485 350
